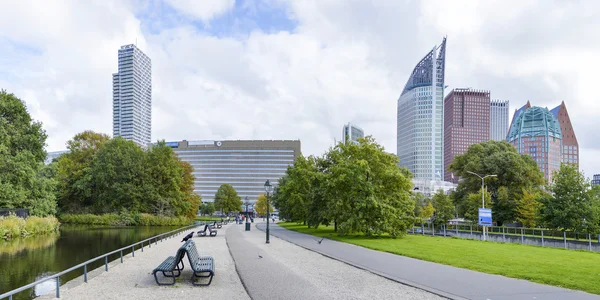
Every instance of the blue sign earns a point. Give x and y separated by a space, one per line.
485 217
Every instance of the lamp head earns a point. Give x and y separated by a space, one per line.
268 186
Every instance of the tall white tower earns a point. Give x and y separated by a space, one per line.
498 120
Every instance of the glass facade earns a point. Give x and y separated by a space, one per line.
132 96
352 132
498 120
420 117
246 165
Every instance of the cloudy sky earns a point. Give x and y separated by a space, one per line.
278 69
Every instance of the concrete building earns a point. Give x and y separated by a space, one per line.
430 187
498 120
352 132
420 115
596 180
55 154
570 146
466 122
246 165
536 132
132 96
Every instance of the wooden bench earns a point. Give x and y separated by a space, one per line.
171 265
199 264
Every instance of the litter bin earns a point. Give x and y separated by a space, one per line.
247 226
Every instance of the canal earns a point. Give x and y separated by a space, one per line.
25 260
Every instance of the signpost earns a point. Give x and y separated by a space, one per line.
485 218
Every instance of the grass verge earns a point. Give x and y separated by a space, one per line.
125 219
579 270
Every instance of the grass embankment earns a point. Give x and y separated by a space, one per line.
125 219
207 218
559 267
12 226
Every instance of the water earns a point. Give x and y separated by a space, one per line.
23 261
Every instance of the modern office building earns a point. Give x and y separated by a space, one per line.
498 120
132 96
536 132
420 138
596 180
246 165
352 133
570 146
55 154
466 122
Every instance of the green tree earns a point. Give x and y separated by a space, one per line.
207 208
420 201
294 195
427 211
473 203
527 209
227 199
261 205
571 207
504 207
514 171
22 141
444 209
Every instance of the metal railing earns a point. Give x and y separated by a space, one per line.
83 265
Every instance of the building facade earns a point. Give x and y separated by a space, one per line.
596 180
352 133
570 146
536 132
466 122
246 165
132 96
498 120
420 138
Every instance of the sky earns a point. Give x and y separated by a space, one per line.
279 69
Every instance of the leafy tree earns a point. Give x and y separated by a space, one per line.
261 205
473 203
420 201
23 183
207 208
571 207
227 199
427 211
444 209
504 207
514 171
527 209
295 191
186 186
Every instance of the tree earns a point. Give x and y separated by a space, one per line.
473 203
444 209
427 211
504 207
227 199
514 171
571 207
207 208
261 205
420 201
527 209
22 141
296 189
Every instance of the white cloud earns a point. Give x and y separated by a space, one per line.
204 10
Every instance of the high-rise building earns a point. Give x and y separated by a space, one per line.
132 96
246 165
570 147
596 180
466 122
352 133
420 138
536 132
498 120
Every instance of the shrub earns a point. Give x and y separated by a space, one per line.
12 226
125 219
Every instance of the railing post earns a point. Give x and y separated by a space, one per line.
444 230
590 241
132 251
423 230
503 235
471 228
85 273
432 229
142 246
149 243
456 229
121 256
106 263
542 238
522 238
565 238
156 241
57 286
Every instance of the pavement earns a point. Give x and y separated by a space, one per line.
443 280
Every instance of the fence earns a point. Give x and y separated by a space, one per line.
516 235
140 245
19 212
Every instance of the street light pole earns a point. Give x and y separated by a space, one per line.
268 189
482 193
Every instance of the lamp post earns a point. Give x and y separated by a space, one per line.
268 189
482 192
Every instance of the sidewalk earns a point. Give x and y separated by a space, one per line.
451 282
133 278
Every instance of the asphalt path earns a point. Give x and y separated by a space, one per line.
443 280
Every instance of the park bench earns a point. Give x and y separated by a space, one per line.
203 231
171 265
213 232
219 224
199 264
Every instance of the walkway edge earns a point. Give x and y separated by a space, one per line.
384 275
237 271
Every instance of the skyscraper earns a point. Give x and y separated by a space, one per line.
466 122
352 133
132 96
420 135
498 120
570 147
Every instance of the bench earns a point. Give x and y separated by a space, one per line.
199 264
219 224
203 231
171 265
213 232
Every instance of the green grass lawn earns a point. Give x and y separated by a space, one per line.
571 269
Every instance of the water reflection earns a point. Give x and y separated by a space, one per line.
23 261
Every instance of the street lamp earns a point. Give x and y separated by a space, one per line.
482 192
268 189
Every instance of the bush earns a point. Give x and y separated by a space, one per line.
12 226
125 218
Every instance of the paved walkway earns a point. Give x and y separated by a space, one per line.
451 282
281 270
